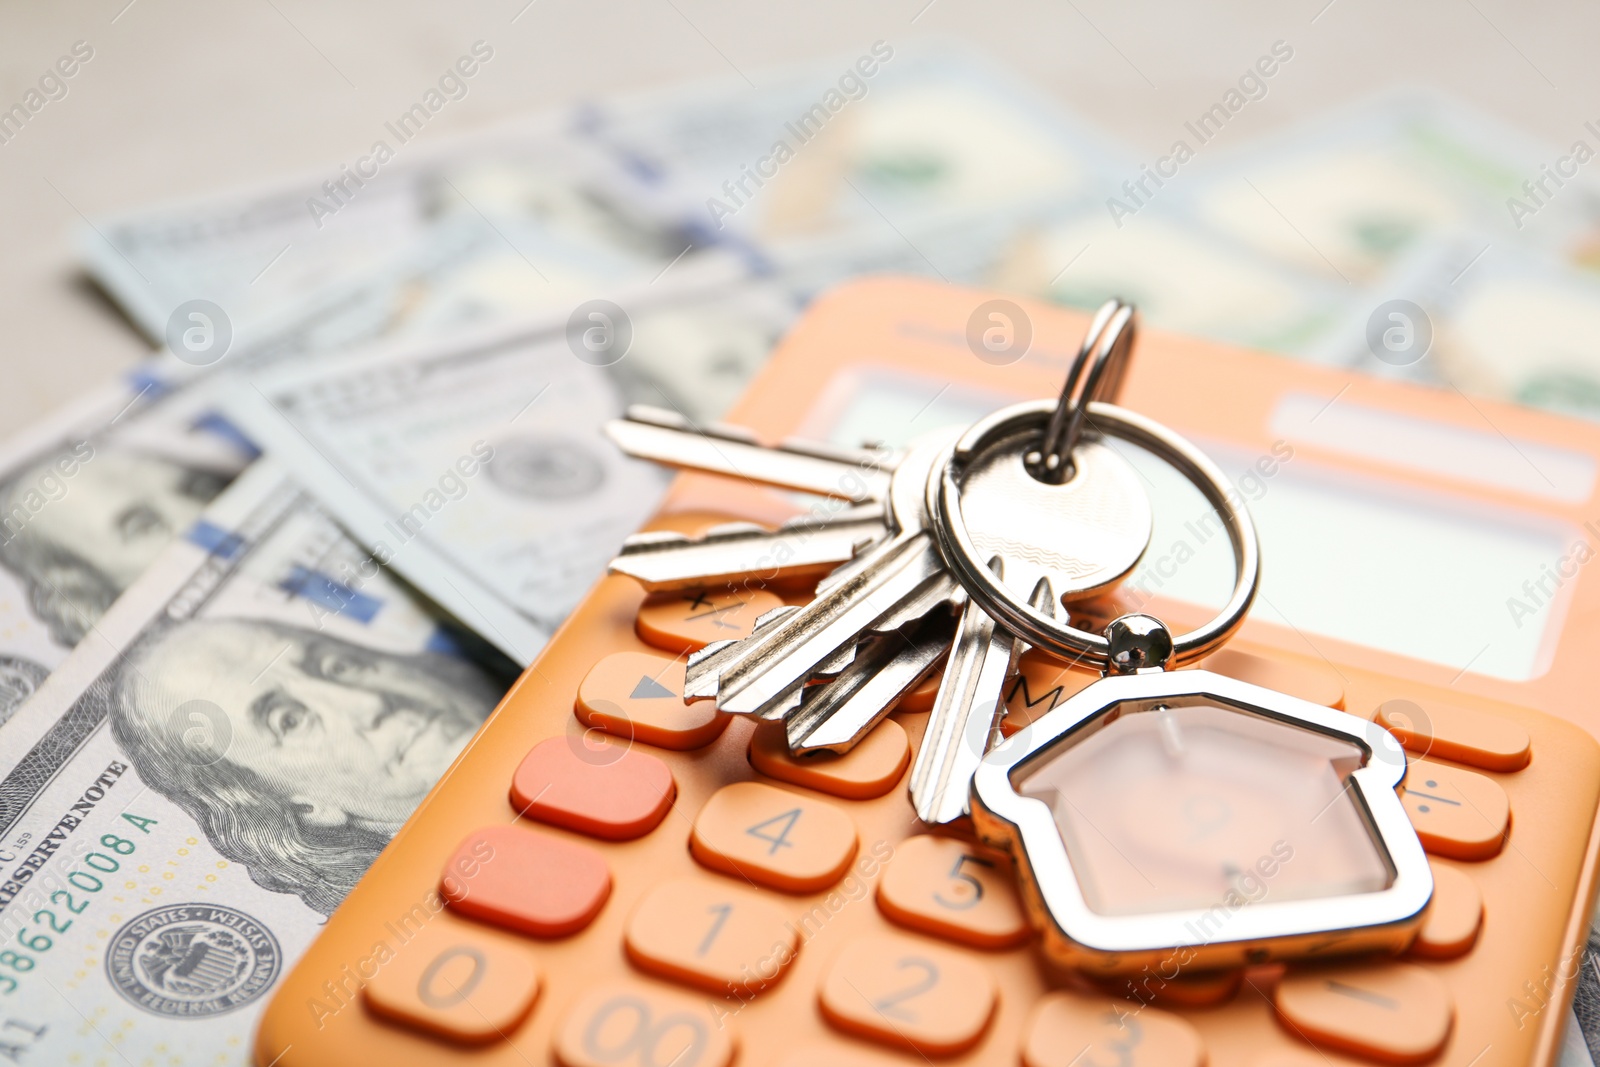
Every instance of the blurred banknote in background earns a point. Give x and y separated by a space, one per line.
409 337
187 797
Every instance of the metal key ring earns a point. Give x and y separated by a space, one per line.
1059 638
1096 375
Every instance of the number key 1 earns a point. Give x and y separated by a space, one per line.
711 934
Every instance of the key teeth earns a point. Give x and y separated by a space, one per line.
672 420
1044 598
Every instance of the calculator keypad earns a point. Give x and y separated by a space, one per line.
712 934
774 838
909 994
691 620
1392 1011
526 880
1457 813
457 980
1066 1030
628 1024
638 696
871 769
1454 915
952 889
1455 733
603 789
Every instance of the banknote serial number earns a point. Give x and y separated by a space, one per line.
50 923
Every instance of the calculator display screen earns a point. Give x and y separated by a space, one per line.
1430 576
1205 807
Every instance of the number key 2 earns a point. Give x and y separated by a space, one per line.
909 993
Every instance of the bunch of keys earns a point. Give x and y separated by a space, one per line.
1160 816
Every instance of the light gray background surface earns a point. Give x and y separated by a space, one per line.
183 98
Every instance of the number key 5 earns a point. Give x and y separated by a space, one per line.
947 887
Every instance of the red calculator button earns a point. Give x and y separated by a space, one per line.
639 696
909 994
600 788
457 980
1460 734
711 934
773 837
1185 989
1042 682
1070 1030
691 620
526 880
629 1024
1320 685
1389 1011
1456 813
869 770
1454 916
947 887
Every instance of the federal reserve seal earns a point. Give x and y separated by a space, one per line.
192 960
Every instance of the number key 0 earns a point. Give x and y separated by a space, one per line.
626 1024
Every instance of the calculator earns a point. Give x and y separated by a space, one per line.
611 877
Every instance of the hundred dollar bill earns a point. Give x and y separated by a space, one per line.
521 214
476 466
88 498
203 780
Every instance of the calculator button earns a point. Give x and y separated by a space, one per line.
601 789
713 935
1390 1011
1454 916
1068 1030
1456 813
1185 989
526 880
949 888
909 994
833 1056
627 1024
639 696
1316 684
773 837
689 621
457 980
1041 683
869 770
1460 734
923 694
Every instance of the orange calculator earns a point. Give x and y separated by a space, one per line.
611 877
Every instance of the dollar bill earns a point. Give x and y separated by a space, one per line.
521 215
88 498
202 781
476 466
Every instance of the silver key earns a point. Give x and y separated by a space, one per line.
1084 535
966 714
858 475
700 671
835 716
807 547
893 583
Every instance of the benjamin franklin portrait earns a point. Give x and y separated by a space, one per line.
299 753
76 548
